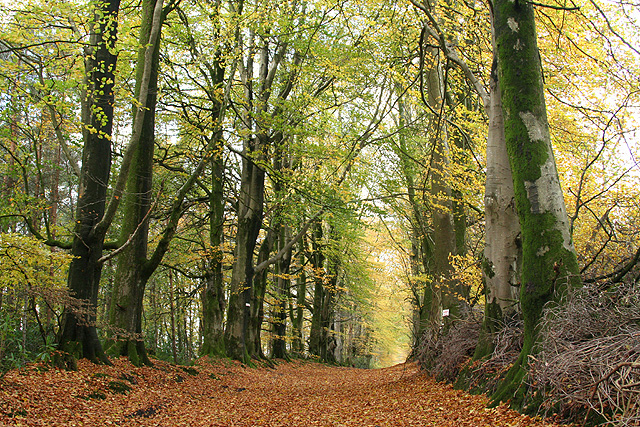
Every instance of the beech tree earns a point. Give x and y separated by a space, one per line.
133 270
78 336
549 262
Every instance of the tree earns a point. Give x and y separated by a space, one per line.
133 270
549 262
503 251
78 336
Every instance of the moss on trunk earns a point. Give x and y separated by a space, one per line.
548 261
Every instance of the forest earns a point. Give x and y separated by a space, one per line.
355 182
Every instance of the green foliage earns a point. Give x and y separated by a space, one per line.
32 292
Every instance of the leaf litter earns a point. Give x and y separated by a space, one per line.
223 393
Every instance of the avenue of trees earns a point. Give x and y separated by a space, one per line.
352 181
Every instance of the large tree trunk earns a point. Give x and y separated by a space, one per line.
548 257
317 264
256 314
132 274
321 339
213 298
297 310
441 204
328 343
419 232
281 164
77 335
282 291
250 210
242 301
503 247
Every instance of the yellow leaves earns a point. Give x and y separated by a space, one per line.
468 273
26 263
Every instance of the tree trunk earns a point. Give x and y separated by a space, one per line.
419 234
260 288
503 249
441 205
125 311
238 343
78 336
213 298
297 312
548 257
328 343
172 317
282 290
317 263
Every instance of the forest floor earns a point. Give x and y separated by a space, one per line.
225 393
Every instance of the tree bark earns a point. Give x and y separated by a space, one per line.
77 336
548 258
297 311
213 298
442 219
132 274
242 298
282 290
317 263
503 247
256 314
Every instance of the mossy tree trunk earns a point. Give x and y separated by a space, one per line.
77 336
282 290
548 257
317 264
327 332
281 166
326 270
256 314
213 298
132 272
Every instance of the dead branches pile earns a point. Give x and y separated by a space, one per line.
486 374
588 363
445 353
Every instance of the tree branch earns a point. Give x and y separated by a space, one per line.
282 252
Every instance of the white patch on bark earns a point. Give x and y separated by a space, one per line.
545 193
535 128
518 45
513 25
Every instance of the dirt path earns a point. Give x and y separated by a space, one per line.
294 394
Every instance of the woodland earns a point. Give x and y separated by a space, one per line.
353 182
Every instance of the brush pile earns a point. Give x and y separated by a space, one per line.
588 361
444 354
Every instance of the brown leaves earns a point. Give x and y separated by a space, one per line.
223 393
